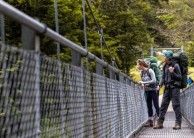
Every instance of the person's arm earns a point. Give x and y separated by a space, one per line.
176 74
153 78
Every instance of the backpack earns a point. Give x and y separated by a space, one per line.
150 85
181 58
154 66
189 81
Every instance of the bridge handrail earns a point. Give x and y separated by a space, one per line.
185 90
78 94
42 29
187 98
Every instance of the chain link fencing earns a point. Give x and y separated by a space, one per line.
41 98
187 104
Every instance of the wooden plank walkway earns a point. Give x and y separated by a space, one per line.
167 131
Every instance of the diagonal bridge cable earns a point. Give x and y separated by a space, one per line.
99 29
2 30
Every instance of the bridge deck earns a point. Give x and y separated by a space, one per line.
167 131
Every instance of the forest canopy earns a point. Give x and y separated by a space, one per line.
130 27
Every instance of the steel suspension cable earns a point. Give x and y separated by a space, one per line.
99 29
2 28
85 31
59 70
102 57
57 27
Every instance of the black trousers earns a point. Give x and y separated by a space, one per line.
152 96
174 95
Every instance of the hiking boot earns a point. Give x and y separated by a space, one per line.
177 126
159 125
149 123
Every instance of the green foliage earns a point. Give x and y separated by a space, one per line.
191 72
190 51
135 74
48 124
2 114
168 20
129 27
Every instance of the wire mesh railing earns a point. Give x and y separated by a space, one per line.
36 102
46 98
18 93
187 104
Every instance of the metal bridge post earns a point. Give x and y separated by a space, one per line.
76 58
31 41
99 69
122 78
133 84
112 74
182 49
127 81
28 38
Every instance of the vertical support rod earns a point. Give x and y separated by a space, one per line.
61 89
2 29
182 50
37 87
3 55
57 27
85 31
152 51
101 34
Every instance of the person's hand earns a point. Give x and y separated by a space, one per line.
171 69
158 88
141 82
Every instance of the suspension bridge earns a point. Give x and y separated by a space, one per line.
42 97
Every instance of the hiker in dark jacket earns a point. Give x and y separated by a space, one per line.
171 79
149 83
